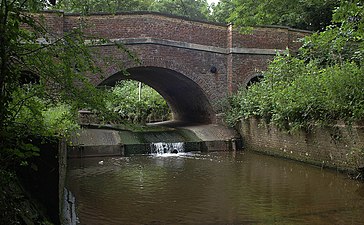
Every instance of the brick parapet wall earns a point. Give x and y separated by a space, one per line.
53 22
269 37
150 25
339 147
262 38
167 27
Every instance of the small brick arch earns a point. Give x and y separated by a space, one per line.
27 77
256 78
186 99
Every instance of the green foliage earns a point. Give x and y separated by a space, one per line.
16 206
33 119
222 10
59 120
41 80
340 42
124 100
302 14
111 6
296 95
195 9
322 85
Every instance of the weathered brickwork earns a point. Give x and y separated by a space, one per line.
53 22
212 59
340 147
245 67
150 25
270 38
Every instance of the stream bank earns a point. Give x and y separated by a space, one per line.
339 147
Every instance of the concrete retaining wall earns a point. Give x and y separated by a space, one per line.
340 147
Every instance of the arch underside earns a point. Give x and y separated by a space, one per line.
186 99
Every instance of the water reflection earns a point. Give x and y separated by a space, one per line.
215 188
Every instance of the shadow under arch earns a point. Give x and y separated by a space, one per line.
186 99
253 80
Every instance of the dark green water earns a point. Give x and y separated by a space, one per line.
214 188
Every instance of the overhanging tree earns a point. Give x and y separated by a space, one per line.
28 48
303 14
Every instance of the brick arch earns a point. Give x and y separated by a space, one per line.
186 98
255 78
181 46
174 59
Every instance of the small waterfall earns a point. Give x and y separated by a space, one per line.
169 148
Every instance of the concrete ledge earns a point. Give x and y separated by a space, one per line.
144 148
185 45
95 151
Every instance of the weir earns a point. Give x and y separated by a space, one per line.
110 141
161 148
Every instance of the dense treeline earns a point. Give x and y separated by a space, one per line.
323 84
302 14
196 9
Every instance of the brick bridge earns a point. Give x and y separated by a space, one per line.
192 64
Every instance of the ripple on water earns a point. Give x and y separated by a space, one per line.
214 188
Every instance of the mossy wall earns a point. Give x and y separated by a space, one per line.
340 147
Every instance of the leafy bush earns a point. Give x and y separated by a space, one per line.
322 85
297 95
59 120
34 120
124 100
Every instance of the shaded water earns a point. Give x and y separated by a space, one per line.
214 188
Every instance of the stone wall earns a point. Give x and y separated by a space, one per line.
340 147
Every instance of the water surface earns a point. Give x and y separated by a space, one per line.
214 188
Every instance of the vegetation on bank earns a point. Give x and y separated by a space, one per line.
138 105
322 84
41 82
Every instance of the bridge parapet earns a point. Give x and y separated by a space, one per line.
151 25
